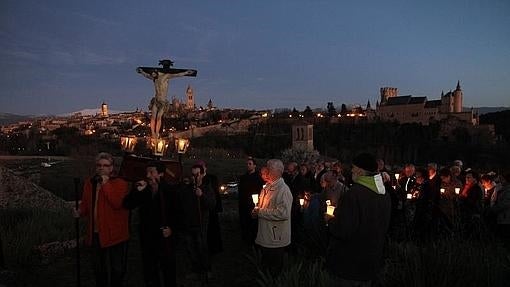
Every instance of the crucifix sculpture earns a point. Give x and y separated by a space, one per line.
161 77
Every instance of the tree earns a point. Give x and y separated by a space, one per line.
343 110
308 113
331 110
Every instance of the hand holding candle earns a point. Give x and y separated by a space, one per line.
330 210
301 201
457 190
255 198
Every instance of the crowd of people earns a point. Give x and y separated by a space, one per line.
357 208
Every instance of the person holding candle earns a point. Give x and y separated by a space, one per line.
156 203
359 226
274 218
448 202
250 184
332 193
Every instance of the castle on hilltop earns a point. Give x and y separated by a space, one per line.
410 109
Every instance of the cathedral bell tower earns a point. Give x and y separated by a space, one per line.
190 101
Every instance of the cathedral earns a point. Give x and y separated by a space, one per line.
410 109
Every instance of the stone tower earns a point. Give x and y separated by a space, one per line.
387 92
190 100
302 136
104 110
457 99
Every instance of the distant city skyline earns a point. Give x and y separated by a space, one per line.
59 56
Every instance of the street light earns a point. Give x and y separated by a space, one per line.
181 145
159 147
128 143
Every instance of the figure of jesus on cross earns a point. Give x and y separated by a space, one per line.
161 77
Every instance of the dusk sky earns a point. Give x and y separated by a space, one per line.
62 56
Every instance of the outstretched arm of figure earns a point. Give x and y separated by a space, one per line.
182 74
147 75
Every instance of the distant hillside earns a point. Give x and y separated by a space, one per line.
90 112
487 110
6 118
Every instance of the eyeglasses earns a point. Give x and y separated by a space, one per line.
103 165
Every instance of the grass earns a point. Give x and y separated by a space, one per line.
23 229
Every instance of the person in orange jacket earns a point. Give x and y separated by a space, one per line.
107 222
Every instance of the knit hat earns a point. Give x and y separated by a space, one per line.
365 161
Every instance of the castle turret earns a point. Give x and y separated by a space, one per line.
457 99
387 92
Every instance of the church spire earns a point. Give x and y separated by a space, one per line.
442 93
458 85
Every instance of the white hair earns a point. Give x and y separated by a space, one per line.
275 165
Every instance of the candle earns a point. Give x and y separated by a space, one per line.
330 210
301 201
255 198
397 176
328 202
409 196
442 190
394 186
457 190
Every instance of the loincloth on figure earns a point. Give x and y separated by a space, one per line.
161 105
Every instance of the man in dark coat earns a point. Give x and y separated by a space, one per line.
156 201
214 240
249 183
359 226
196 199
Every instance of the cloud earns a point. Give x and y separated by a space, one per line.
19 54
91 58
97 20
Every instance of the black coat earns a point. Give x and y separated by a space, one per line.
249 183
358 234
156 210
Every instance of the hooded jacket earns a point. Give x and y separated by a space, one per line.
358 230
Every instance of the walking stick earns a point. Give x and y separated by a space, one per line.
202 272
77 224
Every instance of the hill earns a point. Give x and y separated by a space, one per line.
487 110
7 118
17 192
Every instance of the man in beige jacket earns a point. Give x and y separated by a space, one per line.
274 213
